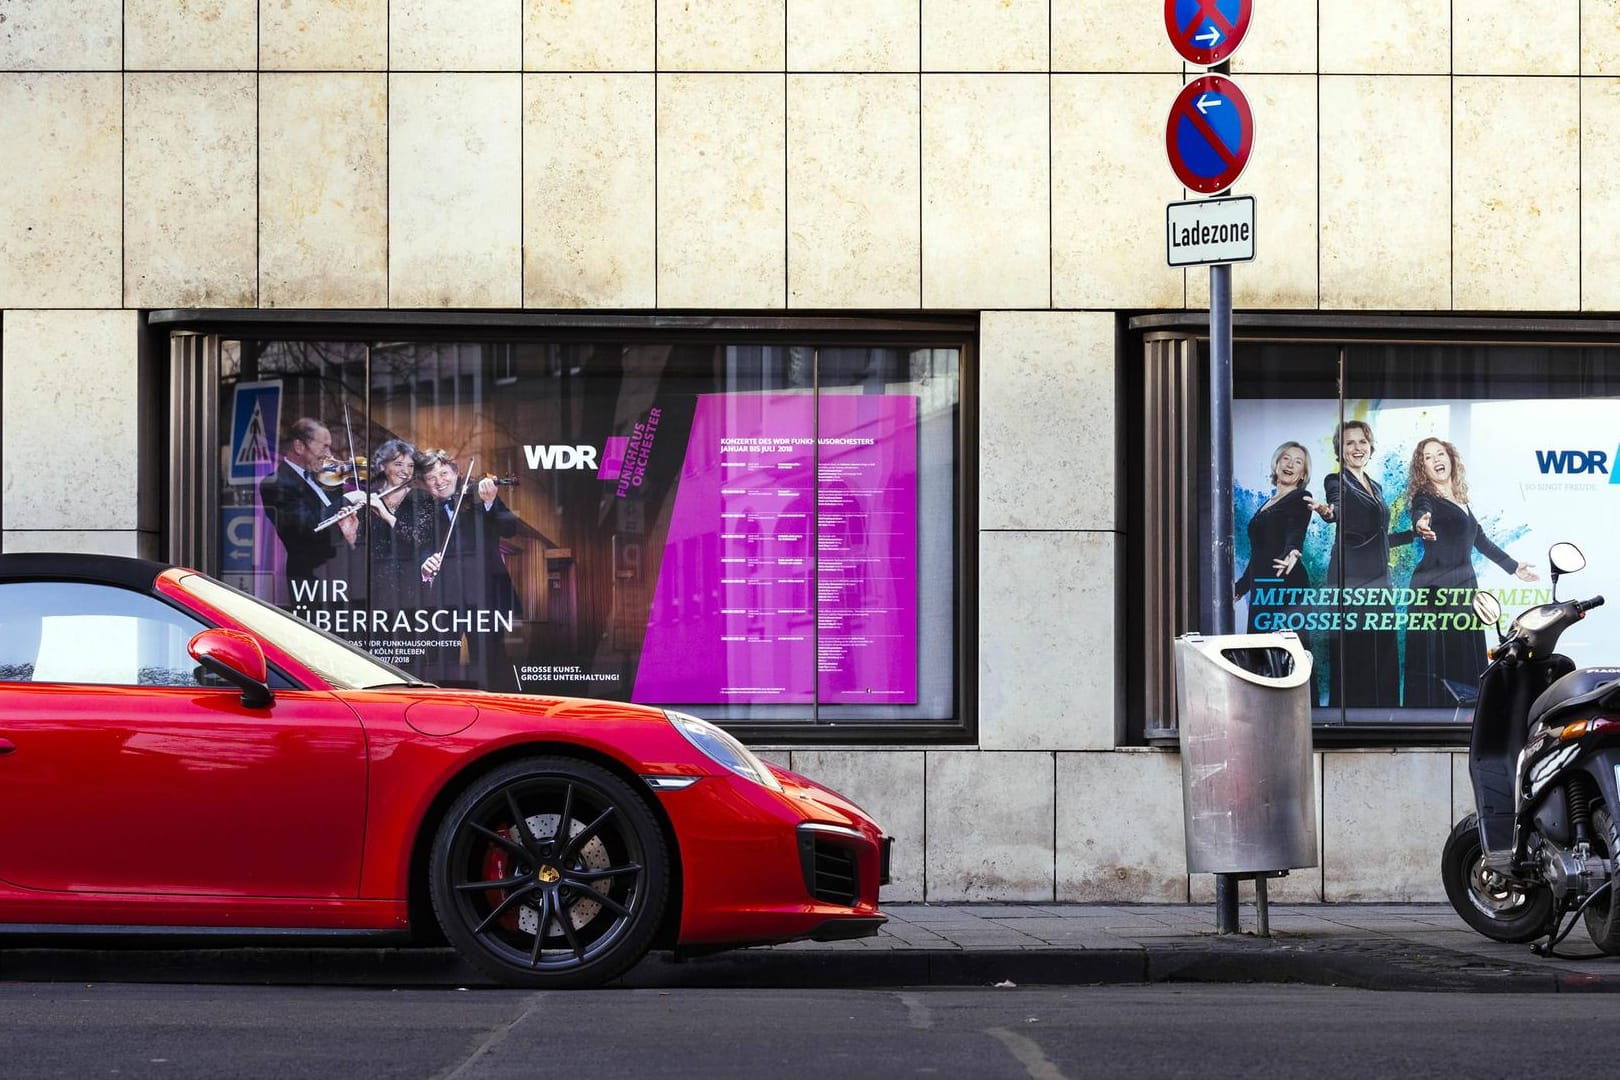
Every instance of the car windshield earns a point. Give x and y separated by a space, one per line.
342 665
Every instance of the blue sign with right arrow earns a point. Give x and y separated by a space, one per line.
1206 32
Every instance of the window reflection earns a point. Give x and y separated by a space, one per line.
1438 470
763 532
68 632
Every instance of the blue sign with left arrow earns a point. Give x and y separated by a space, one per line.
1210 134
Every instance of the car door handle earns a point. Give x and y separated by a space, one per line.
7 746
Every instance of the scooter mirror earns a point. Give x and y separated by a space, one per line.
1487 608
1565 558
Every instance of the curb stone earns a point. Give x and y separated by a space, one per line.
1370 965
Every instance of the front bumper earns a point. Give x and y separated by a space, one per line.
761 867
848 929
829 856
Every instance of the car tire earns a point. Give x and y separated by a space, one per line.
1501 909
550 872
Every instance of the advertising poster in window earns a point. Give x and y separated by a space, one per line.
661 540
1370 537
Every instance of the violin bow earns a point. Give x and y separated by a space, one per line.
354 459
455 515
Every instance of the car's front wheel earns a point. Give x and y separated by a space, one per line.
550 872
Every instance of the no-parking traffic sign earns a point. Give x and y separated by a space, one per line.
1210 134
1206 32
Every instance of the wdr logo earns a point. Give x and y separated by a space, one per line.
560 457
1575 463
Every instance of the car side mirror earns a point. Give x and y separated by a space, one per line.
236 658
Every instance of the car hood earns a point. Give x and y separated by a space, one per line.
483 716
542 706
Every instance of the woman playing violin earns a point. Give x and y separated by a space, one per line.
403 527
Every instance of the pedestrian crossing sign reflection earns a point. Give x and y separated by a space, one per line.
255 416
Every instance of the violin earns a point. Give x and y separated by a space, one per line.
470 491
335 473
498 481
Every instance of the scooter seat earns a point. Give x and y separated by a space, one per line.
1568 697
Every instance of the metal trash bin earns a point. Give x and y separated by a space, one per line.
1248 787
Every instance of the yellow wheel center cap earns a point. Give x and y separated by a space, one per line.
549 875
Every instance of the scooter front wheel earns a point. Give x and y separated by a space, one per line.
1498 907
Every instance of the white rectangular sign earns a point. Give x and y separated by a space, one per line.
1210 231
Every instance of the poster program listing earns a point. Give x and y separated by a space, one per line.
814 513
1331 609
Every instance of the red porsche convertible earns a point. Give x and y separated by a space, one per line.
176 755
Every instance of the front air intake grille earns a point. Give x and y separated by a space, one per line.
830 868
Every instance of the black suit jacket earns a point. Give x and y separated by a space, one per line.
294 509
473 575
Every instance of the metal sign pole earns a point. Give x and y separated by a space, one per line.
1222 516
1218 605
1207 156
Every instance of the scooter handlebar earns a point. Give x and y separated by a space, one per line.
1515 650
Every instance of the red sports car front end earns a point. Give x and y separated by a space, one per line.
762 866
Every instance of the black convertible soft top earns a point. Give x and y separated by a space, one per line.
61 566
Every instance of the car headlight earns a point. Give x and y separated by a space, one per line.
723 748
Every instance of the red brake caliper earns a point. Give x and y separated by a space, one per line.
495 866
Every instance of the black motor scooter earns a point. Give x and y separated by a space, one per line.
1544 760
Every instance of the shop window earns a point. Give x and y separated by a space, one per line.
769 533
1377 486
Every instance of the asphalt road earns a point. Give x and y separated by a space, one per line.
282 1033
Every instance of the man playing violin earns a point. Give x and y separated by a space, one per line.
295 503
465 572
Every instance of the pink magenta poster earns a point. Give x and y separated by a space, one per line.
791 553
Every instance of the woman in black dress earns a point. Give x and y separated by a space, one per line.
402 531
1277 537
1364 664
1445 647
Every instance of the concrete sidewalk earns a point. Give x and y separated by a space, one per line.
1382 946
1374 946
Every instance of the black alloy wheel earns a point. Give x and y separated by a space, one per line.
1603 913
550 872
1497 906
